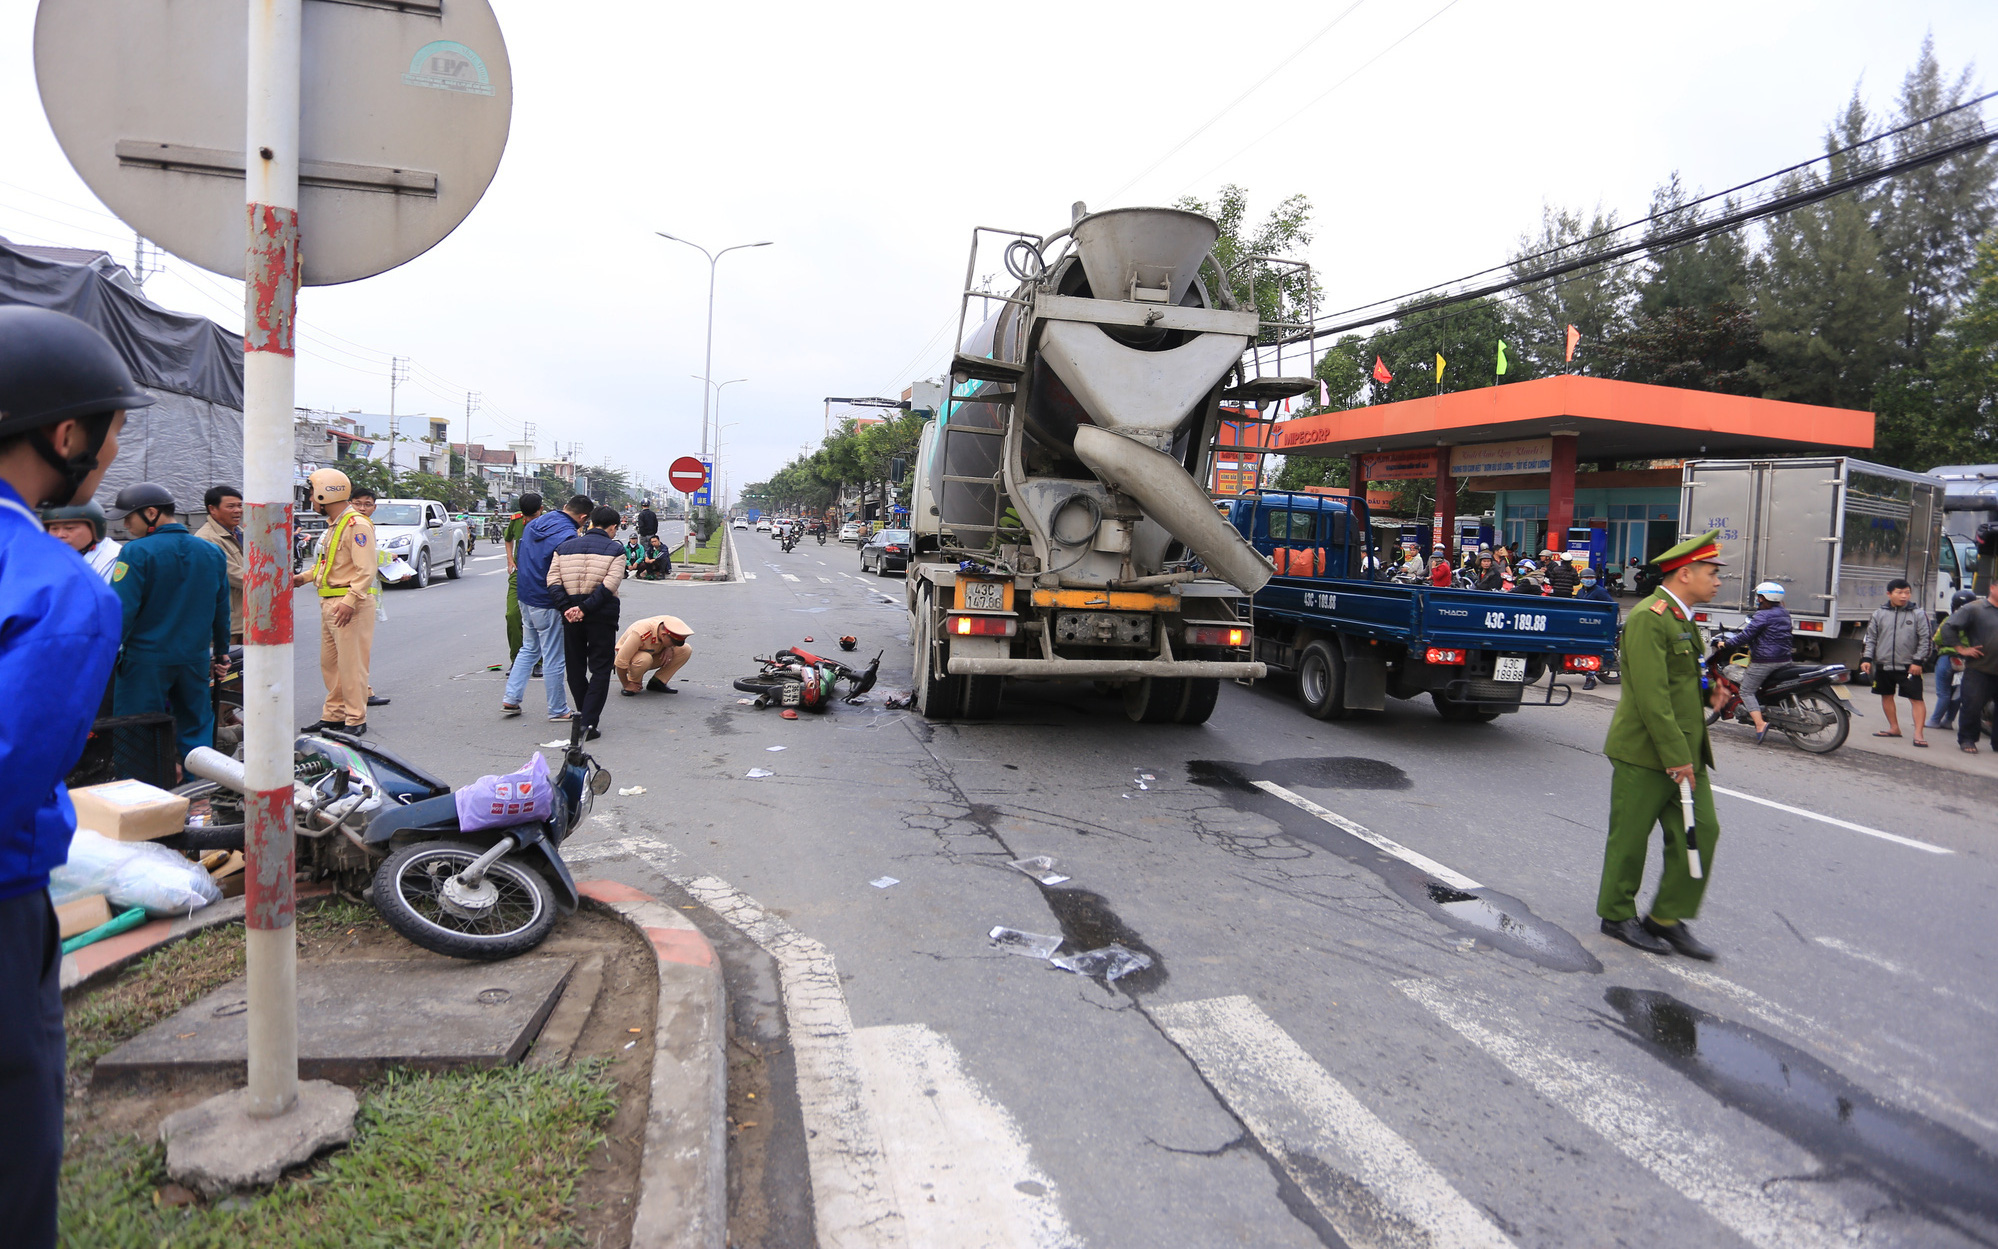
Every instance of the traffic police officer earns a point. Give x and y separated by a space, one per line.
175 592
1657 738
64 393
344 571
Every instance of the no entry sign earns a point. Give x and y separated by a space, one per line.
687 474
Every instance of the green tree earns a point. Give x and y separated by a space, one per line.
454 493
1709 271
1715 347
1465 334
1597 301
1947 413
1828 309
1279 292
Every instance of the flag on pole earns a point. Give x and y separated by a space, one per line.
1324 394
1381 373
1501 358
1574 336
1440 362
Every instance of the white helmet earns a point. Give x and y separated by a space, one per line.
1770 590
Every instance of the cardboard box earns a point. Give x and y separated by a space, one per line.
129 810
83 914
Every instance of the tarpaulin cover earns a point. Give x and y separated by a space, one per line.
192 438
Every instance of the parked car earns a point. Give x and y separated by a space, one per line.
886 552
852 531
739 523
422 533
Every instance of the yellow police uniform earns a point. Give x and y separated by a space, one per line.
345 569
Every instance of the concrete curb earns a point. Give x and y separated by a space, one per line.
108 957
682 1177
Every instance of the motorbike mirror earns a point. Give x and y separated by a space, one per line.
601 782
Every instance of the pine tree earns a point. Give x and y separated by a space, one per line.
1596 301
1695 275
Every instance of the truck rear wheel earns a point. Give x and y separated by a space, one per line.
935 697
1154 700
1321 682
1201 695
981 696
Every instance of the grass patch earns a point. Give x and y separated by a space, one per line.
709 552
486 1158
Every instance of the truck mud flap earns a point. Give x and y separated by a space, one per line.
1366 676
1482 692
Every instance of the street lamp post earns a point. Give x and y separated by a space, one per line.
708 364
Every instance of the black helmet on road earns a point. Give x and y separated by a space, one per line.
90 512
54 368
139 496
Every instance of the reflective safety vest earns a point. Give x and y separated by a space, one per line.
328 551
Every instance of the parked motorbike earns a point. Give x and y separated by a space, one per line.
1804 702
821 535
378 825
799 679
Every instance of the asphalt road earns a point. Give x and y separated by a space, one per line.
1422 1042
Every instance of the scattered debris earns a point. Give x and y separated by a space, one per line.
790 713
882 882
1110 962
787 748
1040 867
498 668
758 773
895 702
1031 944
630 790
564 745
751 702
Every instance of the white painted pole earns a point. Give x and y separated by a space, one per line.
271 272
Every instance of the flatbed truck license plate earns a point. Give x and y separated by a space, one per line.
1509 668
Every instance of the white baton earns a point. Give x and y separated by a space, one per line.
1692 844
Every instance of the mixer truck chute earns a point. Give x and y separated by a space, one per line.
1061 528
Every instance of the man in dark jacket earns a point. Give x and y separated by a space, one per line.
1972 632
648 522
1490 575
540 608
64 394
584 576
1561 575
174 589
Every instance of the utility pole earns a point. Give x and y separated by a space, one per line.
471 406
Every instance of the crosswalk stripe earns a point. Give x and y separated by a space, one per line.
1696 1162
1308 1121
1449 876
827 580
787 576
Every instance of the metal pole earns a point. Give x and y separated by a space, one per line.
271 271
708 365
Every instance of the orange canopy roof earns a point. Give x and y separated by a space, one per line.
1614 420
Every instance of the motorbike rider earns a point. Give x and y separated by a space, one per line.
64 396
1593 590
1439 566
1527 579
1767 637
657 644
344 570
87 531
174 589
1489 575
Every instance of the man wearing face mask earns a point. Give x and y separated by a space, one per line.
64 394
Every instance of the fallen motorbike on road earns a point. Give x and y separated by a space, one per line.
799 679
379 826
1804 702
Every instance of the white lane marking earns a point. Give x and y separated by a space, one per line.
480 559
492 572
1853 951
827 580
1832 1040
787 576
956 1158
1857 828
846 574
1381 1190
749 576
1449 876
822 563
1698 1163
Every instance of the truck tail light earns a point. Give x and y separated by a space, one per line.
1443 655
983 626
1583 663
1811 626
1233 636
1700 616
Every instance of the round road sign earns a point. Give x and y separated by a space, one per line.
404 108
687 474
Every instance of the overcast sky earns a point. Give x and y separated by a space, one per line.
866 140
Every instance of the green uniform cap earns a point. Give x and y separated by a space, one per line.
1704 549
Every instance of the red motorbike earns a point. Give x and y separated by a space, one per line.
1806 703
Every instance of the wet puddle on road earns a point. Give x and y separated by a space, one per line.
1497 919
1922 1163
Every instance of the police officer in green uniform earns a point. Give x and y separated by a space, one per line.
1657 738
174 589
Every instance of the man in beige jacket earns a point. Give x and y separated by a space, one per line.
657 644
225 530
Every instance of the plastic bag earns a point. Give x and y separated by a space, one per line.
132 873
520 797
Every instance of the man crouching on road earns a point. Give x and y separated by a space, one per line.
1657 738
657 645
344 571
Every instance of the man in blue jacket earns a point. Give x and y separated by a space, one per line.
541 638
174 589
63 397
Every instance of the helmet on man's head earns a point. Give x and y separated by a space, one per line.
1771 590
1961 597
329 485
55 368
141 495
89 512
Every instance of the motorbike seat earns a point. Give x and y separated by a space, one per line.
1795 672
439 814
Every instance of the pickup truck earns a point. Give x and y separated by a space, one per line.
1354 641
422 533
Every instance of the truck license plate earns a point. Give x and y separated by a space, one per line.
1509 668
984 596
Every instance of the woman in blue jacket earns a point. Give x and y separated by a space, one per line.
1767 637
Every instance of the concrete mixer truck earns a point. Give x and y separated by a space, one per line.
1061 525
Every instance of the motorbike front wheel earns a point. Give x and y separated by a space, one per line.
1815 722
409 891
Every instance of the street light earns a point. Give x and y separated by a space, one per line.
708 364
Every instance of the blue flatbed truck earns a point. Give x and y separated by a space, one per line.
1353 641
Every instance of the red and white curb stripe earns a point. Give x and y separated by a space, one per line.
683 1189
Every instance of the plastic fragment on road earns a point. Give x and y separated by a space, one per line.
630 790
1110 962
745 702
776 748
1031 944
882 882
560 744
1040 867
758 773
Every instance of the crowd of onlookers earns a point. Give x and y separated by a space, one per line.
1498 568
